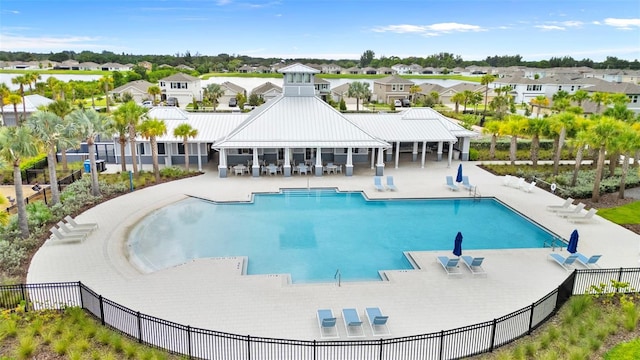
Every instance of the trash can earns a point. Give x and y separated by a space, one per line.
100 165
87 166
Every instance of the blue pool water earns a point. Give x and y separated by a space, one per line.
311 234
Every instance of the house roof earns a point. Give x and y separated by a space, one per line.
266 87
341 89
466 86
298 68
393 129
233 87
430 114
427 88
139 85
180 77
393 79
610 87
317 80
31 103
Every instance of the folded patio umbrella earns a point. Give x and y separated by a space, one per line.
572 247
459 176
457 247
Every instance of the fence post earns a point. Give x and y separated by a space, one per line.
248 347
80 295
619 279
533 306
381 345
441 344
315 349
24 297
189 341
44 193
493 335
101 310
139 327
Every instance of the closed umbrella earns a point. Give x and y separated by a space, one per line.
572 247
459 176
457 245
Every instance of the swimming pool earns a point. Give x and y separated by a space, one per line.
311 234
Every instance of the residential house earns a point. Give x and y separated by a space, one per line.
31 105
448 93
231 90
114 67
414 69
369 71
139 89
267 91
331 69
352 71
391 88
68 65
89 66
182 87
386 71
245 69
402 69
631 90
263 69
427 88
184 67
322 86
340 92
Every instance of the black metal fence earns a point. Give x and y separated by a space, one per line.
199 343
45 193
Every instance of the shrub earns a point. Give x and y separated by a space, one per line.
473 154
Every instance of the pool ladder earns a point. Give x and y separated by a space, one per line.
475 193
552 244
338 277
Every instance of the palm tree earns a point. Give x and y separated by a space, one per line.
185 131
15 99
121 126
435 96
457 99
17 142
106 83
52 83
493 128
467 94
580 96
486 80
153 91
151 129
62 109
4 96
213 92
358 90
413 90
535 128
540 101
33 78
561 104
514 126
21 80
49 129
558 126
4 215
474 100
600 98
579 142
500 104
600 135
132 113
627 141
92 124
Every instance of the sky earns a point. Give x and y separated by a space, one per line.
327 29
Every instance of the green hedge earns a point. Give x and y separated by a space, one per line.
505 144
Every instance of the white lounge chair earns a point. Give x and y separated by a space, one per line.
507 180
579 217
377 321
518 183
567 262
449 265
575 210
390 185
451 185
377 182
589 262
58 236
75 225
465 183
529 187
566 205
474 264
66 230
327 324
352 322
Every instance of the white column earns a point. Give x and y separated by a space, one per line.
167 148
373 158
349 166
319 162
414 153
380 163
255 168
199 157
450 153
424 153
466 143
222 164
397 153
439 150
286 168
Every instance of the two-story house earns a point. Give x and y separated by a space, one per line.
391 88
138 89
182 87
401 69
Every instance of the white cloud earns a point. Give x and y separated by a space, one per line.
550 27
596 23
14 12
622 24
429 30
572 23
12 43
223 2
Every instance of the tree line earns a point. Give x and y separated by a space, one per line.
226 62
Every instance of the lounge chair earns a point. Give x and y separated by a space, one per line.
567 262
58 236
518 183
451 185
352 322
507 180
66 230
327 324
449 265
575 210
75 225
579 217
566 205
377 182
474 264
390 185
529 187
465 183
590 262
377 321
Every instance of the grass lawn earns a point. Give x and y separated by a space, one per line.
626 214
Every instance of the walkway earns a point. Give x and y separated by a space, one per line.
211 293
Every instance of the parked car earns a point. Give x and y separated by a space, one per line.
172 101
397 103
147 103
406 103
233 102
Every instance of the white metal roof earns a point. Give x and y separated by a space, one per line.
391 127
430 114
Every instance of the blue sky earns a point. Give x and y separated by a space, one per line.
331 29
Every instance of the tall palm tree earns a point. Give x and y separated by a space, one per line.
600 99
49 129
52 83
213 92
580 96
154 90
600 135
535 127
467 94
493 128
21 80
15 100
457 99
106 83
558 127
4 96
62 109
185 131
358 90
132 114
474 100
514 126
486 80
151 129
92 124
540 101
413 90
579 142
33 77
121 126
627 141
16 143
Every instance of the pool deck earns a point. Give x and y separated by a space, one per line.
212 293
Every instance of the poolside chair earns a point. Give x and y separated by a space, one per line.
390 185
75 225
579 217
327 324
567 262
566 205
59 237
529 188
590 262
566 212
518 183
465 183
352 322
68 231
377 182
449 265
507 180
451 185
377 321
474 264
